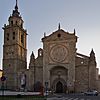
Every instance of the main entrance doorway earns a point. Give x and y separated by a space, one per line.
59 87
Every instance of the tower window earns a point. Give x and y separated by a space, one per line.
7 36
21 25
11 22
40 52
22 38
16 22
13 35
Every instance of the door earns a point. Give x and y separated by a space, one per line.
59 87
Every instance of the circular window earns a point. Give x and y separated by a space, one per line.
59 35
58 53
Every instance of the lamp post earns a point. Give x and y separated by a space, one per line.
46 88
3 78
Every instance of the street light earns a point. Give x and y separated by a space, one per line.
46 87
3 78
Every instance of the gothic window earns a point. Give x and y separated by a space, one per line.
13 35
7 36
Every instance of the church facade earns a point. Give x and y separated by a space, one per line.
58 67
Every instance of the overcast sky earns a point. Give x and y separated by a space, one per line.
44 16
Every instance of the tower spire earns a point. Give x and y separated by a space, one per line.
15 12
16 2
16 7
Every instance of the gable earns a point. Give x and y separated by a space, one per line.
59 35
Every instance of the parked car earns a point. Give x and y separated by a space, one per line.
91 93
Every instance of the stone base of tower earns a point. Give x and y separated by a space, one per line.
11 82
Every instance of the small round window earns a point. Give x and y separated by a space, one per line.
59 35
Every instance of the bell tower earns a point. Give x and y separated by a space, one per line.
14 48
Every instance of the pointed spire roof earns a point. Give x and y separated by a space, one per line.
92 52
32 55
92 56
32 60
15 11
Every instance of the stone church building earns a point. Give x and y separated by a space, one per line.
58 67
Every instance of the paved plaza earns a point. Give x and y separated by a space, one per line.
16 93
73 97
55 96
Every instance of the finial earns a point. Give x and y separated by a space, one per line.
44 34
59 27
74 31
92 51
92 55
32 55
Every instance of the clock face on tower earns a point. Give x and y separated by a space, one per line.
58 53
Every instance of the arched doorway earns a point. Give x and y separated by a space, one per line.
59 87
58 79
